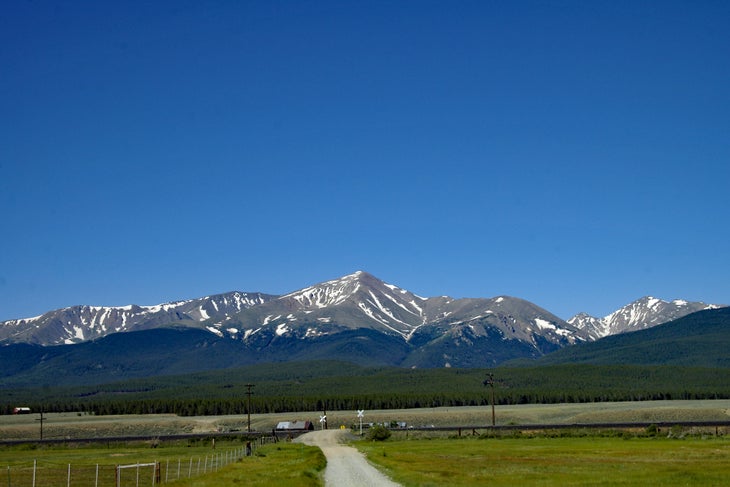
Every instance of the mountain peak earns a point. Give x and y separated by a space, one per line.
643 313
352 302
355 298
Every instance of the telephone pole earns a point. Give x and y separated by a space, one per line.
490 382
41 420
248 409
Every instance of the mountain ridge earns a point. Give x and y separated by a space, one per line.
645 312
443 325
356 318
699 339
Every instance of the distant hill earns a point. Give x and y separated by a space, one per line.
181 350
700 339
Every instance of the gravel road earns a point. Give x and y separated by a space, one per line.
346 467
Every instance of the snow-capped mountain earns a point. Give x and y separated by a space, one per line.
360 300
76 324
642 313
356 314
358 306
357 300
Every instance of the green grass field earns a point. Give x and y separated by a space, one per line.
418 459
285 464
553 461
413 461
294 465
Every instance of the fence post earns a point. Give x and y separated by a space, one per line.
35 464
167 470
190 468
68 477
96 480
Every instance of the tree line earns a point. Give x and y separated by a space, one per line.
386 388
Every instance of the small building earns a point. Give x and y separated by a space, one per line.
295 426
21 410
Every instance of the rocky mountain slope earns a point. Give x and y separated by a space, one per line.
356 316
77 324
639 315
699 339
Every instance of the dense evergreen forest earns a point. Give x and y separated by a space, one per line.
315 386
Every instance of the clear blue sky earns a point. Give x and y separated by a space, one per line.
574 154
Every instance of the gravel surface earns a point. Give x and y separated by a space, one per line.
345 465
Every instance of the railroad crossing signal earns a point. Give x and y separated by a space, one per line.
323 420
360 414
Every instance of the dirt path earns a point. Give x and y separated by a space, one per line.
345 465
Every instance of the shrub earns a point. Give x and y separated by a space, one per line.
378 433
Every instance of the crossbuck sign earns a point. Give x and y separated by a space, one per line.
360 414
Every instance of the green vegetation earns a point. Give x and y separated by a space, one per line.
378 433
274 464
113 453
288 464
315 386
647 456
643 460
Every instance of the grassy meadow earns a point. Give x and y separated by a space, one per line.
181 462
91 461
285 464
77 425
558 461
414 458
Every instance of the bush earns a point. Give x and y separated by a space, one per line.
378 433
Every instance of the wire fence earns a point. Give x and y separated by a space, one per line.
38 474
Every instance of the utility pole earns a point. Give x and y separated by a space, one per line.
490 382
248 409
41 420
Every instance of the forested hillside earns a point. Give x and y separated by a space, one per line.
701 339
340 386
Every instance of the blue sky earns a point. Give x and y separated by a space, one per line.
574 154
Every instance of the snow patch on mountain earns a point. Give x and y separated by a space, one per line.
203 314
214 330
